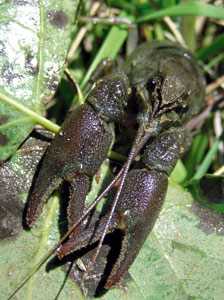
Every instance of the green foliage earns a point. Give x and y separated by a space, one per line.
190 8
34 41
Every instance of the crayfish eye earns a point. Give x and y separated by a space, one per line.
153 83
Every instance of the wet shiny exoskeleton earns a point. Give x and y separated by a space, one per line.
165 83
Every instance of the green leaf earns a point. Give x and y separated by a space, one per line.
34 39
191 8
204 166
196 153
182 259
179 173
17 258
184 245
216 47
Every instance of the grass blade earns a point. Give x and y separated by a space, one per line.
109 49
192 8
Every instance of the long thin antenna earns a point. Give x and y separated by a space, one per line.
124 174
89 209
140 140
55 247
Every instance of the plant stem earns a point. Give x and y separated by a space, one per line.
36 118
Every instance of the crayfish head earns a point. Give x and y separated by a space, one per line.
166 79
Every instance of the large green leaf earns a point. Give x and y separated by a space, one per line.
34 39
182 257
179 260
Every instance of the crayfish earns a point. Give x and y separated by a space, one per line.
161 87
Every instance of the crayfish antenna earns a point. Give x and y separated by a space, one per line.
139 142
57 245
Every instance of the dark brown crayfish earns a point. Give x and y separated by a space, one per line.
164 85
